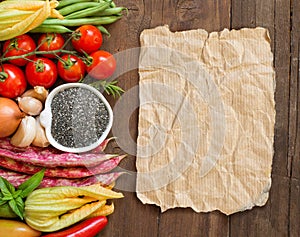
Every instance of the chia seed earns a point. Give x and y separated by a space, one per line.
79 117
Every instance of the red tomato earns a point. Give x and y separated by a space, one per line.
50 42
41 72
102 65
17 46
14 84
71 69
87 38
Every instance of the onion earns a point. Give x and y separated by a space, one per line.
10 116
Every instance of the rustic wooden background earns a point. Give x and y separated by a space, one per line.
281 215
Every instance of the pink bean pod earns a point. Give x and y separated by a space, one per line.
62 172
16 179
50 157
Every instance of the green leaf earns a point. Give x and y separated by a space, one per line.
15 207
32 183
8 197
20 204
17 193
2 202
6 187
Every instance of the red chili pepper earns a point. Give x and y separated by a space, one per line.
87 228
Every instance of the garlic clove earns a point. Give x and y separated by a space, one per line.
25 133
38 92
40 139
30 105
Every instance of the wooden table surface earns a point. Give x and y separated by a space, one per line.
281 215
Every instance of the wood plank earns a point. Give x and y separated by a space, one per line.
185 222
295 208
282 61
294 131
294 153
190 14
243 14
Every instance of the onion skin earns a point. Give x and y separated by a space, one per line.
10 117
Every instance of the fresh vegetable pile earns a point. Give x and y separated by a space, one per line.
45 43
55 208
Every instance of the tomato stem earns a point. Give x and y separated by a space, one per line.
87 59
3 76
67 63
76 35
13 44
49 38
4 59
39 65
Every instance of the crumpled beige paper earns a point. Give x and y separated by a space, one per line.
206 119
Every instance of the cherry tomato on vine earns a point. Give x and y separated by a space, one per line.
71 68
17 46
87 38
41 72
49 42
101 64
12 81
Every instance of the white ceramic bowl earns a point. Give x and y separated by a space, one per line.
46 118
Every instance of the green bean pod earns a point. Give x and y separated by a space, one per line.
77 7
64 3
51 29
103 30
112 4
88 11
103 20
112 11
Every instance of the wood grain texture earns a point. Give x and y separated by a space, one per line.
294 128
294 227
281 215
294 151
185 222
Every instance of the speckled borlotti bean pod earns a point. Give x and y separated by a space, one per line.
16 179
102 146
50 157
62 172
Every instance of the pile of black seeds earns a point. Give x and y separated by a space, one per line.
79 117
